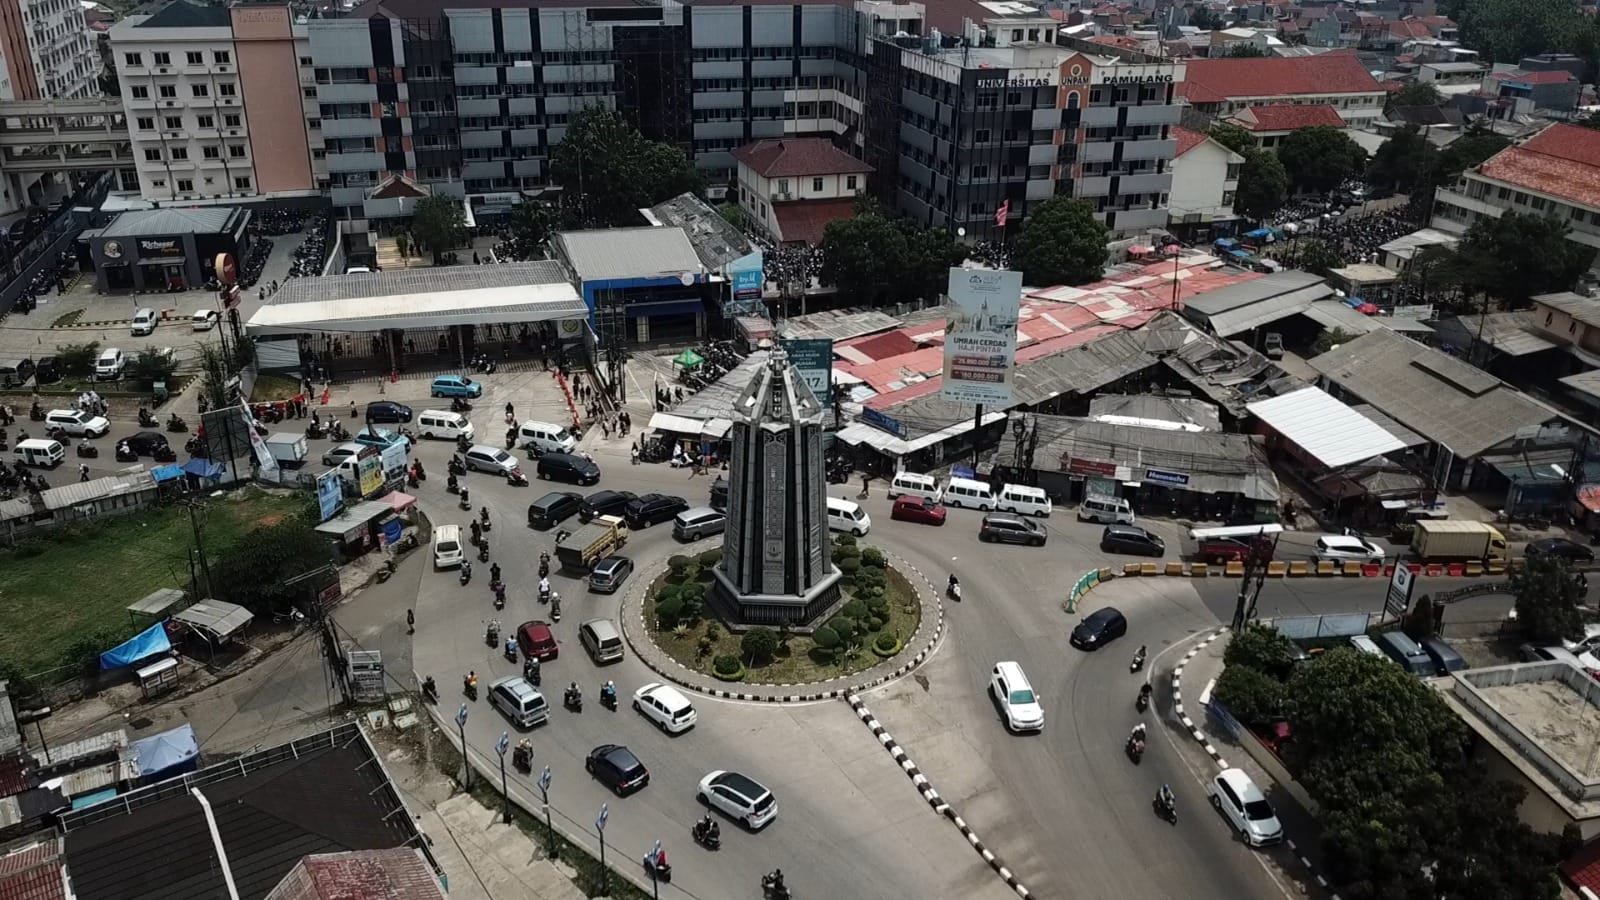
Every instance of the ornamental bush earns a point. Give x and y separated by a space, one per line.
842 627
669 613
726 665
886 643
855 609
826 639
678 563
710 558
849 565
844 539
872 556
759 644
874 624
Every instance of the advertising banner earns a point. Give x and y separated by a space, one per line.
980 337
265 462
369 471
394 463
813 359
1398 599
747 274
330 494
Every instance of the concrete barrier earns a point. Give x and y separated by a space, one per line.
1299 569
1175 568
1326 567
1149 569
1233 569
1276 569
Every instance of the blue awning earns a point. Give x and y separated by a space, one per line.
168 753
148 642
167 472
203 468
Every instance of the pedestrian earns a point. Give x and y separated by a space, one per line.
865 480
411 622
605 428
475 260
353 415
83 471
635 453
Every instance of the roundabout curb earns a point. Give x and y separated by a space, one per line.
1177 699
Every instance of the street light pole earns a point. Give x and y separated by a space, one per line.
505 795
544 792
600 826
466 767
655 878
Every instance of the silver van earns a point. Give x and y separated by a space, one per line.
602 640
694 524
1402 649
519 700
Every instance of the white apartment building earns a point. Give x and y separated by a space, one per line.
185 75
1205 177
51 55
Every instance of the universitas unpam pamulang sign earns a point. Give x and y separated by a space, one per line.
980 336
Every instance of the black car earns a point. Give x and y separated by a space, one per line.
653 508
568 468
719 494
1006 528
615 766
1560 548
49 371
553 508
1131 539
144 443
605 503
388 411
1099 628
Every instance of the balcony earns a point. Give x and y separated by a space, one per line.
359 161
347 93
1154 114
350 128
1100 116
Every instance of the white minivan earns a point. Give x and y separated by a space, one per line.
39 452
915 484
845 515
1105 510
1024 500
545 438
443 425
447 551
968 493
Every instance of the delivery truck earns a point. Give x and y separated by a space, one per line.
581 549
288 448
1451 540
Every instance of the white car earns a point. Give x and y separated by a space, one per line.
77 424
1343 547
204 319
739 796
340 453
666 706
108 366
1245 808
1010 688
1589 643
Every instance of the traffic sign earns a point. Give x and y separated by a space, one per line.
600 822
544 779
461 715
504 742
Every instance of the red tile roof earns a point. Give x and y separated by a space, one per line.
1410 28
798 157
1288 117
1554 76
1216 80
804 220
1583 869
1561 161
32 873
1187 140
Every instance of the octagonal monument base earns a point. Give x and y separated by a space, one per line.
742 611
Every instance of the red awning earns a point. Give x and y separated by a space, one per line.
400 501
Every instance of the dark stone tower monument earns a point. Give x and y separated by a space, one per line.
777 564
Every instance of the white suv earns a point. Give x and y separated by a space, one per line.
108 367
741 797
1010 689
666 706
77 424
1342 547
1245 808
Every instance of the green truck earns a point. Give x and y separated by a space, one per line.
581 549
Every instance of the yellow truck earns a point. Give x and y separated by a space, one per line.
591 543
1452 540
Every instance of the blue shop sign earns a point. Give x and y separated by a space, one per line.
1161 476
878 419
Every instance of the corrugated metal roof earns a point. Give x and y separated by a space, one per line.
79 492
215 616
1584 309
1584 383
1335 314
837 324
1372 414
1508 332
163 222
1330 431
1244 317
614 254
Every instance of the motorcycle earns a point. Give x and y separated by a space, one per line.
522 756
530 670
164 453
459 405
511 650
955 591
660 868
707 834
499 596
1166 810
88 450
555 608
469 686
411 478
544 591
465 504
124 453
456 467
1143 703
483 516
483 552
608 697
1135 749
466 572
515 478
1138 661
175 423
452 485
146 418
491 635
573 700
430 691
773 888
544 564
339 433
386 571
315 431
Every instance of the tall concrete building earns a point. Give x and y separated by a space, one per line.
47 49
220 103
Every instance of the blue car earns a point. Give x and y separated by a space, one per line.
456 386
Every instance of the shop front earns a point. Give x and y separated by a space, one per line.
164 250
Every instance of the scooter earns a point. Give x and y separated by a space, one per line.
88 450
522 756
511 650
707 835
515 478
386 571
773 887
499 596
491 635
483 551
1138 661
466 503
573 700
955 591
466 572
1135 749
452 486
483 516
555 608
469 686
456 467
1165 810
608 697
175 423
661 870
146 418
1143 703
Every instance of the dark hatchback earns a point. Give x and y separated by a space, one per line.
388 411
144 443
652 509
1561 548
568 468
615 766
605 503
1099 628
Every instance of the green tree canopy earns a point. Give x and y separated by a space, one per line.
530 225
609 171
1245 50
1507 30
1261 647
1206 20
439 223
1467 151
1417 93
253 573
862 256
1405 161
1519 256
1233 137
1263 185
1547 600
1315 256
1061 243
1319 158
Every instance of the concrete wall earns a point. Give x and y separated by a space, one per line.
269 79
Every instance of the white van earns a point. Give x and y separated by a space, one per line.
442 425
1105 510
1024 500
40 452
844 515
144 322
969 493
915 484
447 552
545 438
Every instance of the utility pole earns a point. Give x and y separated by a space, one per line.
205 567
1255 576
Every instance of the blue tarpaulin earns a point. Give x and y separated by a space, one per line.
168 753
1239 254
203 468
148 642
1259 234
1226 243
167 472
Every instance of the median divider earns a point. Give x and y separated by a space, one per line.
1278 569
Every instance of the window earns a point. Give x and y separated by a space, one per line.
162 59
816 184
158 182
242 183
185 185
200 90
1013 98
783 186
980 172
133 59
231 121
1548 317
310 93
173 123
222 57
211 152
140 92
850 182
227 89
314 124
180 152
305 61
319 153
146 123
1227 198
982 136
427 106
153 154
1538 203
205 121
422 71
169 91
1572 327
236 151
194 58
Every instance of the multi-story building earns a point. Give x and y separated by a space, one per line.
958 131
1554 173
1205 177
47 49
216 102
1218 88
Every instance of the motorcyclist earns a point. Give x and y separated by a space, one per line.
573 694
710 829
544 589
1165 798
452 485
608 692
477 531
954 581
429 689
1137 734
774 881
470 681
494 574
530 669
483 513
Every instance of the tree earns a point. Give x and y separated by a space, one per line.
929 255
1315 256
402 245
1061 243
1233 137
1263 185
1508 30
1331 338
1518 256
1468 151
862 255
1406 160
1253 697
1319 158
609 171
254 572
1206 20
77 359
439 223
1548 600
1262 648
758 644
151 366
1245 50
529 227
1417 93
734 215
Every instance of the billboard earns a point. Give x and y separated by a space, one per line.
369 471
813 359
980 336
746 277
330 494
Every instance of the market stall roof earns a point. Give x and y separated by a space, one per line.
688 359
204 468
163 474
355 517
1333 433
157 603
70 495
421 298
679 424
399 500
1237 308
167 751
214 617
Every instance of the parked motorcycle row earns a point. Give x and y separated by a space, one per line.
279 222
312 254
721 357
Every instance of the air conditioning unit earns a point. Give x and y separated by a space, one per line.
233 132
172 103
222 68
162 70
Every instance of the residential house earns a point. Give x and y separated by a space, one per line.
1271 124
1552 92
1205 176
791 188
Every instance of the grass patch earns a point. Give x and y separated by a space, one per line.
66 319
797 664
271 388
76 582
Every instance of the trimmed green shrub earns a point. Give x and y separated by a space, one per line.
669 613
710 558
713 631
872 556
855 609
874 624
669 592
759 644
843 627
887 642
848 551
844 539
849 565
678 563
826 639
727 668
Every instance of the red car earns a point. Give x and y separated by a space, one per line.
536 641
916 509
